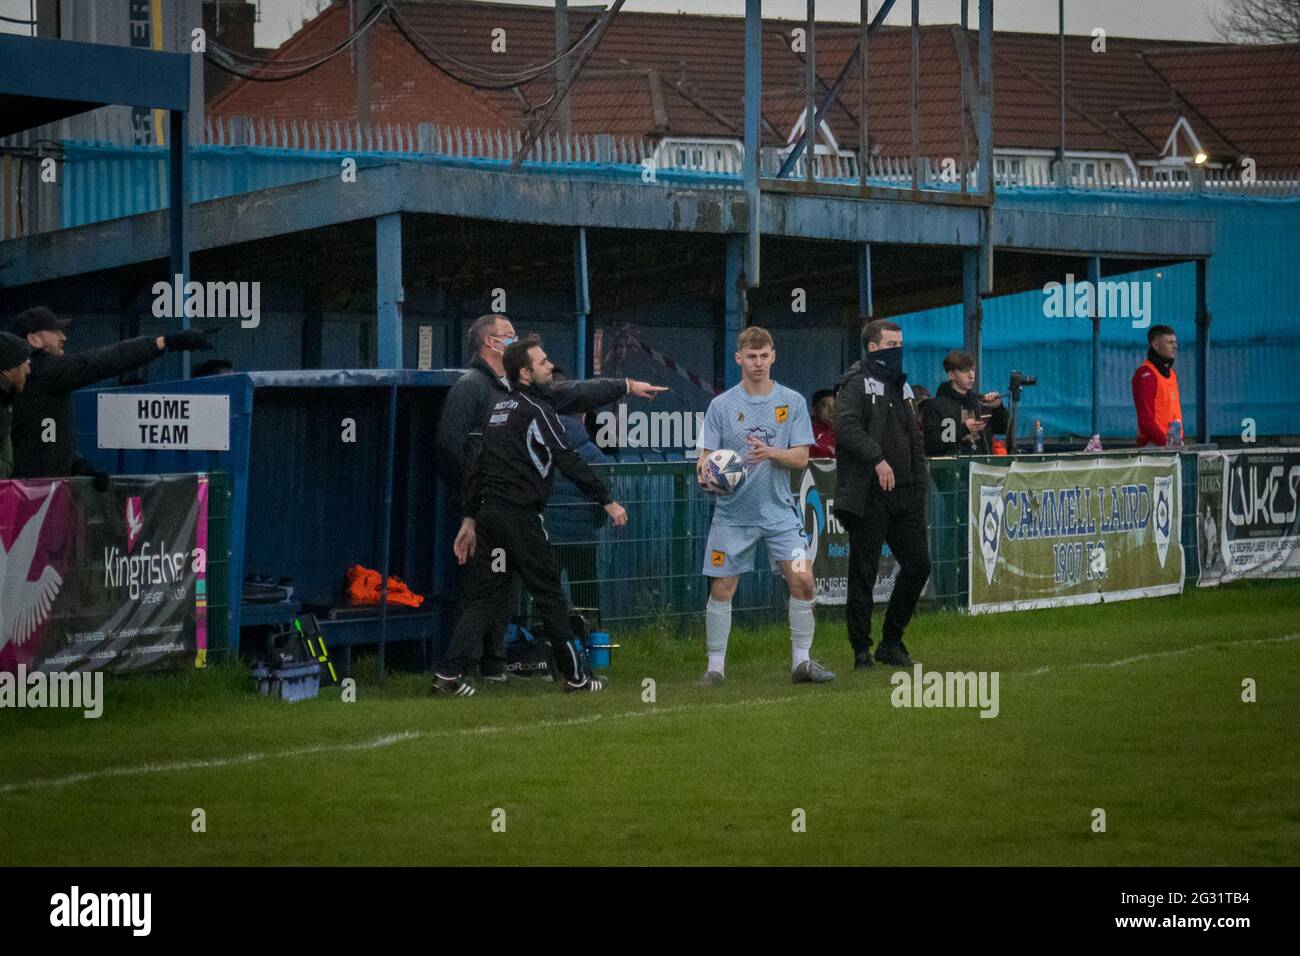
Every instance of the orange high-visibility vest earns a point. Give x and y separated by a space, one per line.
1168 407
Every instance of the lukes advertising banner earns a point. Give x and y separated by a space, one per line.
110 581
1248 520
1048 534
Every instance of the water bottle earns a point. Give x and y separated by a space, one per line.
1174 436
1038 437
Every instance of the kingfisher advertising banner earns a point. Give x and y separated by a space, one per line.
1248 514
828 540
1048 534
112 581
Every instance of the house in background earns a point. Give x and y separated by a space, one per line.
1142 108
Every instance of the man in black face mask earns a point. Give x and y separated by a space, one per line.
881 490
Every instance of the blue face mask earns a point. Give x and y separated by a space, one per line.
506 342
886 363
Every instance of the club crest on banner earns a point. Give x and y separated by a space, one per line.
1164 509
810 500
990 527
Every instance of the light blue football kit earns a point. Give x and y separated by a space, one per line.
763 507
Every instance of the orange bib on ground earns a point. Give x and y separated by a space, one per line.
364 588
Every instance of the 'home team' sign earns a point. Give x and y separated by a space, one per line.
170 422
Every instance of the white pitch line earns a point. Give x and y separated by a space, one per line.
387 740
1137 658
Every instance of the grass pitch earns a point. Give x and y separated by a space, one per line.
1135 708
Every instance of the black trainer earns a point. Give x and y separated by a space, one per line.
588 684
451 686
863 660
894 654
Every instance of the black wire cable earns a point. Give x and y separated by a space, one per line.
272 70
21 23
254 61
418 40
266 73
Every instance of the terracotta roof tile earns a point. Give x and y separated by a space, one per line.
1124 100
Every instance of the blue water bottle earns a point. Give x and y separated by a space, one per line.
1174 436
1038 437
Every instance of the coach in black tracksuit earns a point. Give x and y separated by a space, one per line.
460 430
506 487
882 483
55 376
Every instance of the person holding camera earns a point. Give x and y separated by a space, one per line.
882 484
959 421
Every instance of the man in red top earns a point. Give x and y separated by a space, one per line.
823 424
1155 388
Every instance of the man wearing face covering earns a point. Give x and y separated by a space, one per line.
460 432
881 490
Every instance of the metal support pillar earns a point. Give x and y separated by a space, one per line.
581 305
1094 277
753 146
178 363
984 97
972 326
735 317
388 288
866 303
1202 354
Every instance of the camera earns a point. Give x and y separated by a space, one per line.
1020 380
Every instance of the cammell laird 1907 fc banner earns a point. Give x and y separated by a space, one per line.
112 581
1248 523
1048 534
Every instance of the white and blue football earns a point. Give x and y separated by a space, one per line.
725 471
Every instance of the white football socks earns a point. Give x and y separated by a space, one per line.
802 623
717 628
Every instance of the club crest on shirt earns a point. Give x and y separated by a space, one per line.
782 414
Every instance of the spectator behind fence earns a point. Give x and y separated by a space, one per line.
14 369
573 520
954 419
1155 389
823 424
44 429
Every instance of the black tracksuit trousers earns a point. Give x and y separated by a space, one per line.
897 519
519 533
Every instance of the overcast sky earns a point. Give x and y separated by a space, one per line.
1161 19
1168 19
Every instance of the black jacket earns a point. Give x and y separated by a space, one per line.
6 453
523 443
947 406
49 395
875 422
460 428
